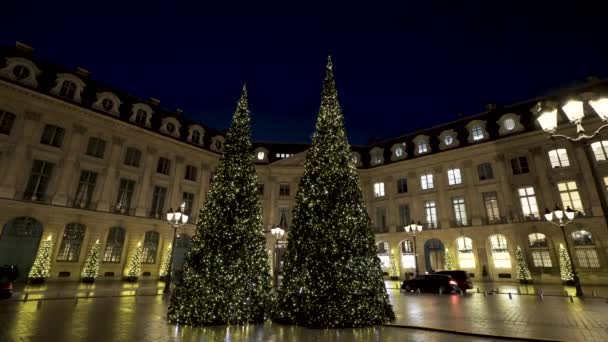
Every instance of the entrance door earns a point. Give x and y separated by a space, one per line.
434 255
182 245
19 244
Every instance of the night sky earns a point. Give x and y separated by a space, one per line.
399 65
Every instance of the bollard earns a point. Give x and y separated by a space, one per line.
571 299
593 294
76 301
510 296
519 291
485 293
441 291
39 304
478 290
418 290
566 293
25 297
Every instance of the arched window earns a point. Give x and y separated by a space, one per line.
68 89
141 117
537 240
407 254
150 248
196 137
539 250
500 251
582 238
466 258
114 245
73 234
383 254
586 255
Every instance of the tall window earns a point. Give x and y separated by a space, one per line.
401 185
158 201
422 147
407 254
71 242
38 181
477 133
383 254
460 211
379 189
114 244
490 203
141 117
430 212
519 165
568 192
537 240
96 147
527 199
284 217
426 181
68 89
164 165
587 258
6 122
132 157
284 189
454 176
86 186
466 258
485 171
150 248
540 253
196 137
380 219
404 215
500 251
600 150
188 198
52 135
191 173
559 158
125 194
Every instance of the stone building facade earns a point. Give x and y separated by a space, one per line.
81 161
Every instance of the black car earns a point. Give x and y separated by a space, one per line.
8 274
431 283
461 277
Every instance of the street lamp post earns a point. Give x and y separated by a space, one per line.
574 109
175 219
562 223
413 229
277 232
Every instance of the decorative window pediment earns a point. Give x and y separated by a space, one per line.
356 159
421 145
398 151
69 86
21 70
195 134
108 102
448 139
217 143
377 156
477 131
141 114
170 126
509 123
260 155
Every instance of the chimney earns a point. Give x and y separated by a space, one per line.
490 107
154 101
23 47
83 72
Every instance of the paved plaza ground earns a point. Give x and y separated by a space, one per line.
114 313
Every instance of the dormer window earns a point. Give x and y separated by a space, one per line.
377 156
217 143
261 155
477 131
398 151
140 117
21 72
68 89
422 147
68 86
448 140
195 134
107 102
196 137
170 128
509 123
107 105
356 159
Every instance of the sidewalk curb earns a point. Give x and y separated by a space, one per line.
467 333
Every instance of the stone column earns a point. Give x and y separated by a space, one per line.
17 160
69 166
143 199
111 176
176 193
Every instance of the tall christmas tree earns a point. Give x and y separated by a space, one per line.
164 267
332 274
42 264
226 272
135 264
523 272
91 265
449 261
394 271
565 266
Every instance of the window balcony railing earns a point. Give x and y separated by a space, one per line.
155 214
431 225
381 229
524 218
123 210
460 223
494 220
583 242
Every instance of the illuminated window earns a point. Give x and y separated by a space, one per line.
500 251
430 212
383 254
568 192
527 199
426 181
460 211
582 238
261 155
490 203
600 150
477 133
407 254
587 258
559 158
422 147
71 242
379 189
509 124
114 245
537 240
541 259
448 140
466 258
150 248
454 177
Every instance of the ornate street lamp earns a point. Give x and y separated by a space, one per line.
556 218
278 233
413 229
175 219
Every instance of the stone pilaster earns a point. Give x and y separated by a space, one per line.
111 182
69 166
143 199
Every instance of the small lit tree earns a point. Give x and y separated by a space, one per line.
565 266
164 267
91 265
394 271
42 265
523 272
449 261
135 264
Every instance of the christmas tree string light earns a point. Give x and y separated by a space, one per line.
523 272
42 264
91 265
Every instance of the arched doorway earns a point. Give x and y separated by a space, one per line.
434 255
183 242
19 243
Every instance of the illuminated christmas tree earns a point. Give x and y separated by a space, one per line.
42 265
332 275
565 266
91 265
226 274
394 271
164 267
134 269
523 272
449 261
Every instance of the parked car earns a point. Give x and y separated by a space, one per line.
8 274
431 283
461 277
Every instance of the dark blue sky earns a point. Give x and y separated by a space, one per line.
399 64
